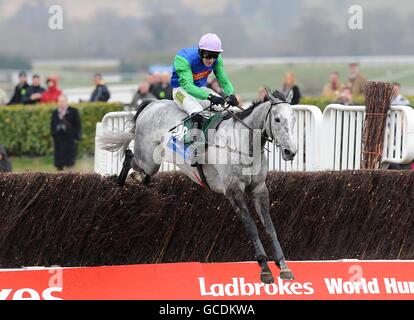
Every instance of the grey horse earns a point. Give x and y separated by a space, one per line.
273 119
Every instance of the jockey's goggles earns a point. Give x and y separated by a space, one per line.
209 54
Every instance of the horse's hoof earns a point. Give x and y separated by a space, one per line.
135 176
266 277
287 275
121 180
147 179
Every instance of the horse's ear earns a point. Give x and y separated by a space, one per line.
289 96
270 96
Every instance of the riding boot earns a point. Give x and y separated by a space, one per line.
194 147
198 120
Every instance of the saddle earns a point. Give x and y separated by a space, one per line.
181 137
212 122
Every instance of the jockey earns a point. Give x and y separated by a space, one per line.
192 67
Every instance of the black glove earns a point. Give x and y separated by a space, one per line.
216 100
232 100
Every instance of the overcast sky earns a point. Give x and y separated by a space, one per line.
127 28
136 8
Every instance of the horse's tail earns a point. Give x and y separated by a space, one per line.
119 141
115 141
139 110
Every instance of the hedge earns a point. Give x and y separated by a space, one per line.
365 214
25 130
322 102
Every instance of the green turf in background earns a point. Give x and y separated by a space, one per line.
45 164
312 77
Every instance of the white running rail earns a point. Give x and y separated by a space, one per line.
308 120
342 130
328 141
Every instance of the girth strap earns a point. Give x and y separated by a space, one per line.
202 176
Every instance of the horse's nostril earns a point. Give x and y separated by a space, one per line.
287 152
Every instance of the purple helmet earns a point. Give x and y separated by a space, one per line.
210 42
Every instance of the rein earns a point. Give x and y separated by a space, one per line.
263 134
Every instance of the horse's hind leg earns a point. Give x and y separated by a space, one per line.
144 167
141 176
126 166
237 200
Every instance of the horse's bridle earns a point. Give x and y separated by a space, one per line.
264 133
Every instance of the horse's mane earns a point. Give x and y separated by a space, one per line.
243 114
279 95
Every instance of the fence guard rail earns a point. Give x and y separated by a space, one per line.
331 140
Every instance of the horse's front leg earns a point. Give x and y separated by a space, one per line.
237 200
260 197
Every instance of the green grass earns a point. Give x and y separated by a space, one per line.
45 164
312 77
247 79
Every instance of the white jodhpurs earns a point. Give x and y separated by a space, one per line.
190 104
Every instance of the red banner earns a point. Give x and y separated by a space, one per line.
328 280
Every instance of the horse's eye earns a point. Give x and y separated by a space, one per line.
277 120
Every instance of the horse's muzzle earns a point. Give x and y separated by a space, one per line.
288 155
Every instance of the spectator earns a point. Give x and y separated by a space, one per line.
345 97
356 81
163 90
333 89
261 96
20 90
52 93
154 81
5 164
101 92
3 97
289 84
214 85
34 92
66 130
142 94
399 99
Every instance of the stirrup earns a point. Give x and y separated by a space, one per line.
194 158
